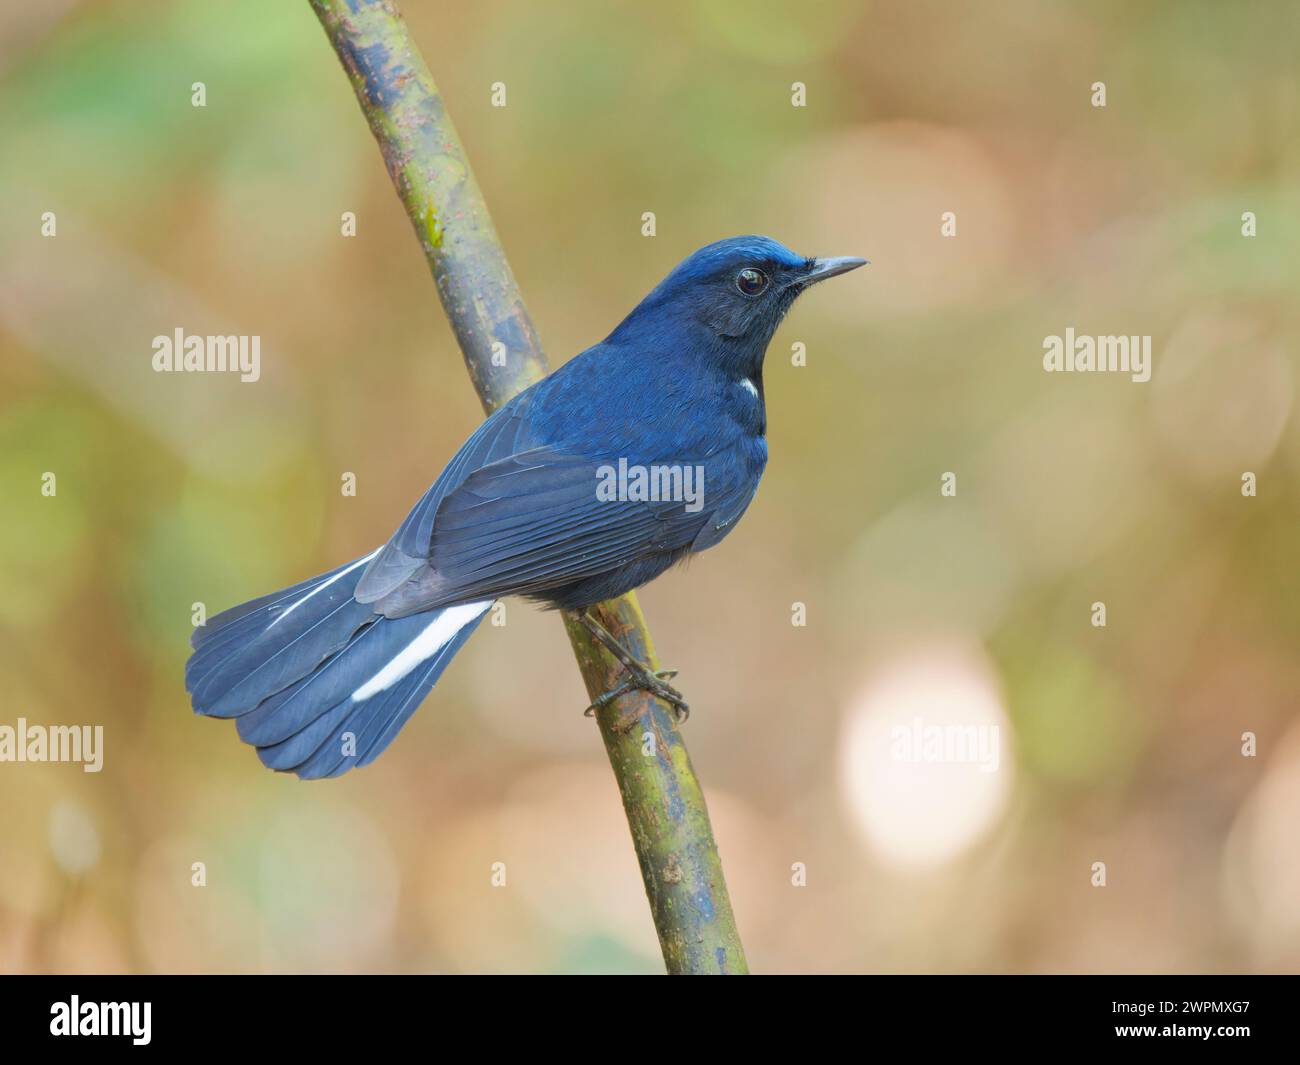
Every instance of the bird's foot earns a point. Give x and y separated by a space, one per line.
637 675
642 679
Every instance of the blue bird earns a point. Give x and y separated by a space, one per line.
643 449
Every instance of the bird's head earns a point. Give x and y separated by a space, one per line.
735 292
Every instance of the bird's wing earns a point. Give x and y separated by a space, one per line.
501 435
535 520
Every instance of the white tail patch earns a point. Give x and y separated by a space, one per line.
432 639
321 587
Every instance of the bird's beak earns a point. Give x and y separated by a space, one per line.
824 268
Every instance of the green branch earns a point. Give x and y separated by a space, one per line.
661 795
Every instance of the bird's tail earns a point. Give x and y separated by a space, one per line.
316 681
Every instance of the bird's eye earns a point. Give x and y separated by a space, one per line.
751 282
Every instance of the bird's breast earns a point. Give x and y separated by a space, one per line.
742 404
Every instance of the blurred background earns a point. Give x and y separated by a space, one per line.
1120 744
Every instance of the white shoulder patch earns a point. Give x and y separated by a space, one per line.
749 386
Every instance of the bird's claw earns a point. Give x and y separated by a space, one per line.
638 678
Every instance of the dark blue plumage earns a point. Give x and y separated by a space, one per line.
321 676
